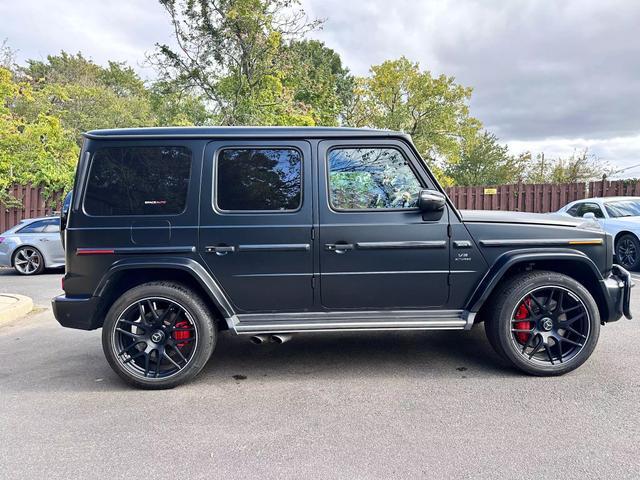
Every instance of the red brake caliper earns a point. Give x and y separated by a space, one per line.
521 314
181 334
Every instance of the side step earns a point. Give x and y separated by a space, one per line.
353 321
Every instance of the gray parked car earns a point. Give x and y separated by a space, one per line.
32 245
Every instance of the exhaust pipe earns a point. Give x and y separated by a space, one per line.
259 339
280 338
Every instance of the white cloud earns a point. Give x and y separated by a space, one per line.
553 74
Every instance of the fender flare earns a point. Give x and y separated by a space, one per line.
508 259
195 269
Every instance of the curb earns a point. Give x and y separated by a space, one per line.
13 306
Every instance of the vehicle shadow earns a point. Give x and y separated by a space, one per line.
328 355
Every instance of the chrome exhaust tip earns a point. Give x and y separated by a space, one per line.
259 339
280 338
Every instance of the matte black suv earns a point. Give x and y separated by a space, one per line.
174 234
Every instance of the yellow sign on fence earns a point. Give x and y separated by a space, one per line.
490 191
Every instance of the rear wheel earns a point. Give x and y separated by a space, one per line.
28 261
158 335
628 251
544 323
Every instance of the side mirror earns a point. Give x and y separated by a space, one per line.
589 215
431 201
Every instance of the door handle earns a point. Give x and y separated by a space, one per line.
339 247
220 249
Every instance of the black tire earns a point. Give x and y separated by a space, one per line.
28 260
628 251
166 306
536 292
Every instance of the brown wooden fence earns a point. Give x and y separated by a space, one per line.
537 198
33 205
522 197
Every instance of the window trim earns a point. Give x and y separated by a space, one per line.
87 179
214 180
367 210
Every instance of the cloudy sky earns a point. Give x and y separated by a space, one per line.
548 75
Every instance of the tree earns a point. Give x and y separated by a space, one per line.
229 51
433 110
483 161
39 151
579 167
318 79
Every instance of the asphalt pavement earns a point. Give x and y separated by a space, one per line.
349 406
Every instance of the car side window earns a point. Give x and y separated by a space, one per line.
258 179
589 207
34 227
52 226
141 180
371 178
573 211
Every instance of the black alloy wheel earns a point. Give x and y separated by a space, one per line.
628 251
155 337
550 325
158 335
543 323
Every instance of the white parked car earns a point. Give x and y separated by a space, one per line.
619 216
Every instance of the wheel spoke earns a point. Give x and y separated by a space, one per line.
564 339
182 357
548 350
529 343
572 330
133 357
129 334
536 349
153 310
574 319
125 349
164 354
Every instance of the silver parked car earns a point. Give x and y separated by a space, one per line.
32 245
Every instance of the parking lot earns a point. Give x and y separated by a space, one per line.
375 405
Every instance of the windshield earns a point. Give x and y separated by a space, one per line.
623 208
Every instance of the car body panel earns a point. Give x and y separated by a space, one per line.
47 243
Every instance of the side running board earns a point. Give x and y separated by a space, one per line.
251 324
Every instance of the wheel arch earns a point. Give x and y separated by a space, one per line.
573 263
621 233
129 273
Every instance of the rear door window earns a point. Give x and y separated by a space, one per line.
259 180
144 180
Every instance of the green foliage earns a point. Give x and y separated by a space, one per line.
433 110
242 56
579 167
39 151
483 161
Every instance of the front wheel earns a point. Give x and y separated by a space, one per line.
628 251
158 335
544 323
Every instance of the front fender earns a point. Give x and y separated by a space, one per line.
511 258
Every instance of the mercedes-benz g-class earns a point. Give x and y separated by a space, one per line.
174 234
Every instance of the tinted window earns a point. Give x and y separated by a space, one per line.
259 179
138 181
589 208
34 227
371 178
